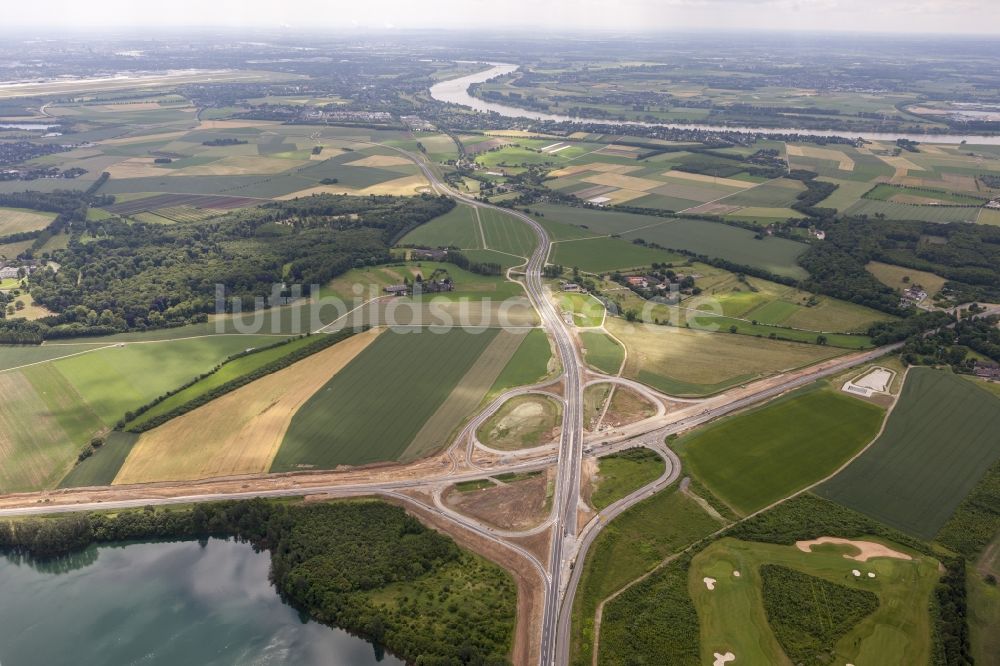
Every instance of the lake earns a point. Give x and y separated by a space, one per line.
163 603
456 91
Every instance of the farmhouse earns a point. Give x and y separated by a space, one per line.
397 290
570 286
8 272
637 281
431 255
987 371
912 296
433 286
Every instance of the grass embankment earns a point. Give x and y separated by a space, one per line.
628 547
622 473
602 352
523 422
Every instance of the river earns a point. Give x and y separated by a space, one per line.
162 603
456 91
25 126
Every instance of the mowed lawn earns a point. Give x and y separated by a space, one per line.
754 459
372 409
733 616
939 441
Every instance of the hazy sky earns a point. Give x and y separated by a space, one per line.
973 16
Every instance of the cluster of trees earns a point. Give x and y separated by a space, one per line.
320 343
888 332
70 207
131 275
808 614
977 519
480 267
816 191
329 560
952 345
968 255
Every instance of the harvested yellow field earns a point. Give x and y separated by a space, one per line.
241 165
675 359
18 220
902 165
623 196
380 161
844 162
467 394
235 124
240 432
135 106
599 167
137 167
405 186
702 178
989 216
146 138
893 276
623 181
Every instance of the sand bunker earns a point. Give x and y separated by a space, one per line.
736 573
709 582
868 549
723 659
855 573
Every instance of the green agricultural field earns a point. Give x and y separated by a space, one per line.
44 424
878 620
456 228
233 370
886 192
628 547
777 255
602 352
898 211
120 378
773 254
622 473
753 459
938 442
372 409
505 233
529 365
600 255
15 356
101 469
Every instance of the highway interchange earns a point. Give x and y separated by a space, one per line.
568 543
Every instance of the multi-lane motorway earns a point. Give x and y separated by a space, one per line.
567 544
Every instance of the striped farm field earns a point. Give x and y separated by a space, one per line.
939 440
459 227
756 458
240 432
373 409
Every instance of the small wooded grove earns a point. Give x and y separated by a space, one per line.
119 274
330 560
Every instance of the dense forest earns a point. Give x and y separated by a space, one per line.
968 256
952 346
118 275
436 605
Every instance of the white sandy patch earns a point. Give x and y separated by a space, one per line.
709 582
736 573
723 659
871 574
855 572
869 549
